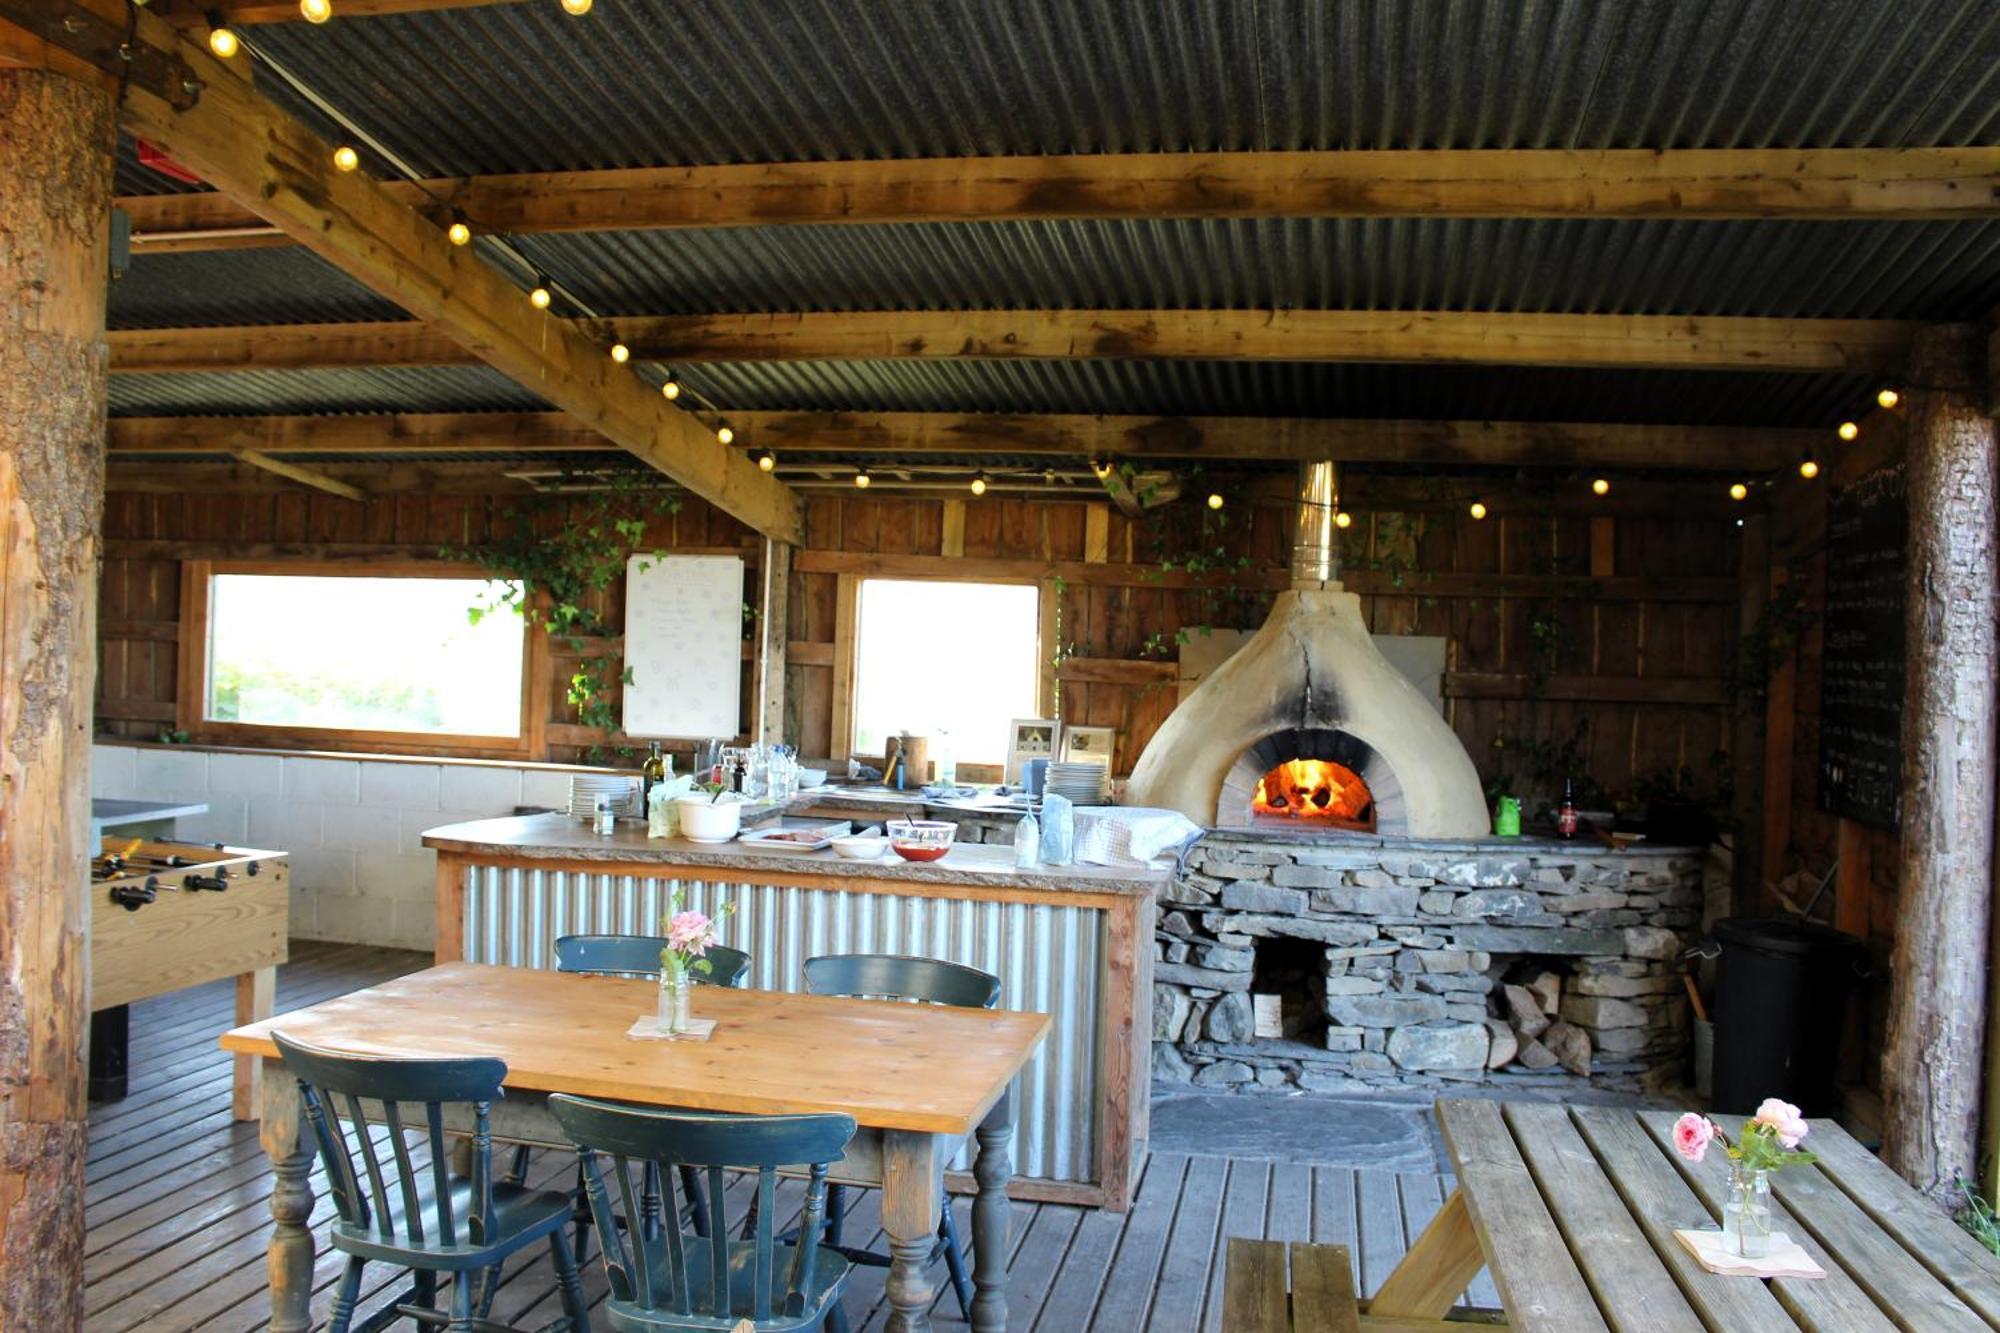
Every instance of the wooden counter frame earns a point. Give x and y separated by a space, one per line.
1125 1011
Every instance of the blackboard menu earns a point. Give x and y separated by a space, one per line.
1861 686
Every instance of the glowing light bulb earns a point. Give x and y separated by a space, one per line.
1101 467
1848 430
1808 467
1343 519
577 7
316 11
620 353
224 42
458 234
767 461
1478 510
1738 491
671 390
345 158
979 484
1215 500
1888 397
724 435
1600 486
539 298
862 479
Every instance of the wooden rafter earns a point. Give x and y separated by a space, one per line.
1490 443
1633 342
305 476
244 13
1699 183
239 142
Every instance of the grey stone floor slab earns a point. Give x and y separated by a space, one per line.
1388 1135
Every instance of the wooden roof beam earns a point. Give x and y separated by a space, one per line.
1688 183
305 476
973 434
1632 342
242 144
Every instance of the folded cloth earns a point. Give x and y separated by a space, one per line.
1118 835
1713 1251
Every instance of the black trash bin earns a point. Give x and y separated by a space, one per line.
1780 1007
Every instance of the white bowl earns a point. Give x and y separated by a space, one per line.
862 848
703 820
811 777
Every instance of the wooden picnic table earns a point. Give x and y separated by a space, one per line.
1573 1210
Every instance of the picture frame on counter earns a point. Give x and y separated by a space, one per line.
1031 738
1089 745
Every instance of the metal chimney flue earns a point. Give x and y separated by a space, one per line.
1316 550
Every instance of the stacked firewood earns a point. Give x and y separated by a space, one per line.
1528 1032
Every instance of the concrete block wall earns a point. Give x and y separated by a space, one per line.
351 825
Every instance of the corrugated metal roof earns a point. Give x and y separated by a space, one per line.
259 392
221 287
651 82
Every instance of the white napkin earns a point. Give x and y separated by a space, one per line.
648 1029
1786 1259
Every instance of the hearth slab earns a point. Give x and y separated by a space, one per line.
1393 1135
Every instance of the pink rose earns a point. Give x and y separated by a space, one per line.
1692 1135
1784 1120
690 932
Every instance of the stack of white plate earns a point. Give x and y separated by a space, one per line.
1084 784
585 788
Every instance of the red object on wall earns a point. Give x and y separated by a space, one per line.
153 159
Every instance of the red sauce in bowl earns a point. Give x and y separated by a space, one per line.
912 853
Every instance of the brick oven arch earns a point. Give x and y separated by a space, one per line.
1239 786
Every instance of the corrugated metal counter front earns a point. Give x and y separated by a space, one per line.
1074 943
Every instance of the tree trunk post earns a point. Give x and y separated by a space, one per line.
55 211
1933 1063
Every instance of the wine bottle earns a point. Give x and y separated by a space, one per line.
1566 817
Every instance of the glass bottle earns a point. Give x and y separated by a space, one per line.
1566 816
652 773
1746 1212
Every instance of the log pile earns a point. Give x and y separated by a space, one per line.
1528 1028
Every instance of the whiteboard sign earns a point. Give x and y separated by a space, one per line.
684 645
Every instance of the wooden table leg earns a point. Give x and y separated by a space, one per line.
1432 1276
256 992
289 1258
912 1190
990 1212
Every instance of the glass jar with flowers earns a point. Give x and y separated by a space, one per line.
1768 1141
689 934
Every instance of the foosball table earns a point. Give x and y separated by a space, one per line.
166 915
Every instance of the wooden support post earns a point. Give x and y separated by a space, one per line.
846 623
55 202
1747 726
773 618
1934 1056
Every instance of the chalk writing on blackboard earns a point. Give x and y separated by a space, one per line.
1861 683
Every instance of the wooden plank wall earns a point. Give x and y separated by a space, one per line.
1643 602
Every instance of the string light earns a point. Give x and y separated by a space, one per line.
576 7
316 11
861 478
1738 491
1478 510
1848 430
1101 467
1215 500
724 435
979 484
345 158
1600 486
1887 397
1342 519
1808 466
539 297
620 353
222 39
458 233
767 461
670 390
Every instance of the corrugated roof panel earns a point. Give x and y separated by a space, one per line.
653 82
274 392
1931 270
278 285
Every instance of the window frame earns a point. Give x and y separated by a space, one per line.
192 680
847 642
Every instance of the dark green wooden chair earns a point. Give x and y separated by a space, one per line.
422 1217
636 956
677 1283
881 976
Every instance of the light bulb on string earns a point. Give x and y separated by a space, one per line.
1600 486
1848 430
1478 510
620 353
1738 491
1215 500
316 11
458 233
979 484
345 158
670 390
861 478
1887 397
724 435
1808 466
1100 467
540 296
1342 519
767 461
222 39
577 8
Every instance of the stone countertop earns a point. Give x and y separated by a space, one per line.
556 837
1368 844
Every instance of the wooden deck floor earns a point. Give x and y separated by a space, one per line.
178 1197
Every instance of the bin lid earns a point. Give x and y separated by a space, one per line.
1787 935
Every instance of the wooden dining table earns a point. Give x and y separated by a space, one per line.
918 1079
1573 1210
